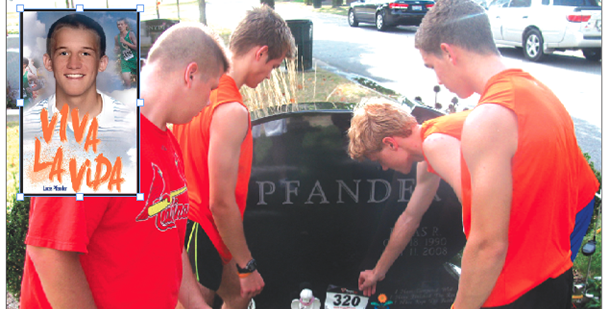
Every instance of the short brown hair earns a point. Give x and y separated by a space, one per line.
462 23
262 26
372 122
188 42
77 21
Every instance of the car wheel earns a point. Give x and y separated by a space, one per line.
380 21
592 54
533 45
351 19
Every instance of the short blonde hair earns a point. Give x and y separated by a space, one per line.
188 42
372 122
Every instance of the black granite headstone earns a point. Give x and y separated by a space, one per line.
314 215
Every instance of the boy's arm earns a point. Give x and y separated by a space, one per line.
405 227
228 129
133 38
444 154
190 295
489 142
62 277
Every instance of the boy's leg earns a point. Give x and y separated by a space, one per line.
126 78
205 261
230 288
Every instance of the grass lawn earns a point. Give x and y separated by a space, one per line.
12 161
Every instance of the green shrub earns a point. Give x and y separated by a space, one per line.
598 201
16 228
11 94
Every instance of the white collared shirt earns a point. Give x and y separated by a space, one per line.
117 125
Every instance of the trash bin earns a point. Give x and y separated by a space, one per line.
317 4
302 31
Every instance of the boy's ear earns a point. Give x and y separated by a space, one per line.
260 52
449 53
48 63
390 141
103 63
189 73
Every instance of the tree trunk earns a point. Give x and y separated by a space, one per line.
178 5
67 4
270 3
202 18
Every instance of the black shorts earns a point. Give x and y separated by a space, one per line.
205 260
551 294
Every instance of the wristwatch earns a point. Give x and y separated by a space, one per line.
250 267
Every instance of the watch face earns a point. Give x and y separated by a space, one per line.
250 267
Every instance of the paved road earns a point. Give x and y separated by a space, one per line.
390 59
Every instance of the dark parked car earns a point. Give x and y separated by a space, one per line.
384 13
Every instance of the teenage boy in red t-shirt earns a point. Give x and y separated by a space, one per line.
107 252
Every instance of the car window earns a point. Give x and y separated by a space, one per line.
499 3
520 3
576 2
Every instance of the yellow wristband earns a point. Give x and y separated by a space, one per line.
241 276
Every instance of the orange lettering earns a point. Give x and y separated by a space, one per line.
39 166
101 162
92 139
115 177
63 123
56 169
77 178
47 128
79 126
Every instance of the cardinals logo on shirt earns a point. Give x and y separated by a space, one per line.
165 206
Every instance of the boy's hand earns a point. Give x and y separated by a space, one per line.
251 285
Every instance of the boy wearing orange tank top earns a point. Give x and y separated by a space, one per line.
217 148
523 176
388 134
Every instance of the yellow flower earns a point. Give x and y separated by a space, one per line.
382 298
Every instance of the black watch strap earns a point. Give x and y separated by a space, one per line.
250 267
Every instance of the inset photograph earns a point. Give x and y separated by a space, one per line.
79 119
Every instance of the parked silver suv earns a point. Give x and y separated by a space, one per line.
542 26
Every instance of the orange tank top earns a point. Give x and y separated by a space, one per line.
194 140
550 181
450 124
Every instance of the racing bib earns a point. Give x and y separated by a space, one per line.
342 298
127 54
